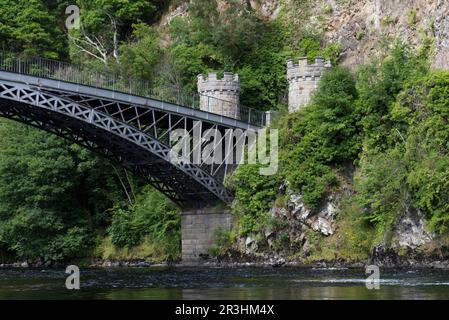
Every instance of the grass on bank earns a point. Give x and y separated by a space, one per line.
146 250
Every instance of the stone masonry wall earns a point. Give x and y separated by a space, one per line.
220 96
198 230
303 79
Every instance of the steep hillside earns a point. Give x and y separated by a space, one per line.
360 27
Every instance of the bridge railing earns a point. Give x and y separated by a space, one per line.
79 74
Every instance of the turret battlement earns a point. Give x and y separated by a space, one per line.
303 79
211 82
220 96
303 69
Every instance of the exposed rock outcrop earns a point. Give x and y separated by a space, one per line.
360 26
410 231
319 220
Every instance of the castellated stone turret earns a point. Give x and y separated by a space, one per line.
303 79
221 96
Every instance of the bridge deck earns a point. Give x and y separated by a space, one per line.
85 90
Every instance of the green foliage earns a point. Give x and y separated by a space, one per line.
31 26
407 165
152 215
426 102
332 52
56 196
223 241
328 9
391 121
381 187
126 228
360 35
96 15
140 56
355 237
53 195
322 136
75 243
428 182
254 194
263 70
378 84
186 63
312 141
310 48
146 250
236 40
388 21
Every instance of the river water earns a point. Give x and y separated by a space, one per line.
223 283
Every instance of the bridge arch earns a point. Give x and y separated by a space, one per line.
129 130
122 120
138 151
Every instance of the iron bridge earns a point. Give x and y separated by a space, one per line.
121 119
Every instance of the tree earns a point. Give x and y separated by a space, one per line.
31 26
104 24
141 54
152 215
233 32
53 195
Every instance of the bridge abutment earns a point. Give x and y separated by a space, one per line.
198 227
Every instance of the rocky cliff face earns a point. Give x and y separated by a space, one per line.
361 25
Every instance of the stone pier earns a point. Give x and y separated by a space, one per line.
198 228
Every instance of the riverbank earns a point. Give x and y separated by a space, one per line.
401 263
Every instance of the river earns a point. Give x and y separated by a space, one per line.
223 283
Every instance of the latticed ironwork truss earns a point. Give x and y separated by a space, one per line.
128 130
